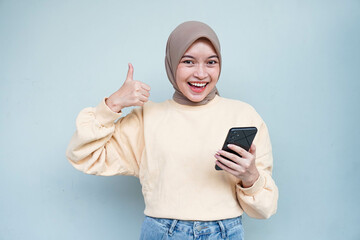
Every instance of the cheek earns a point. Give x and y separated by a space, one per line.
178 77
182 74
181 82
215 74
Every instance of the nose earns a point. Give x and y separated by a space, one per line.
200 72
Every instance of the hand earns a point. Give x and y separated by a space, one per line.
243 167
131 93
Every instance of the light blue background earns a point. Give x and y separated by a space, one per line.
296 62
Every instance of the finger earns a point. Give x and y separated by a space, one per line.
252 149
130 73
143 98
226 168
229 155
243 153
139 103
144 93
226 162
145 86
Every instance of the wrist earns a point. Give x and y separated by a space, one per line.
114 107
249 182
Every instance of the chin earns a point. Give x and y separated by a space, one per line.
196 99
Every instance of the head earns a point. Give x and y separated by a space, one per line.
193 63
198 70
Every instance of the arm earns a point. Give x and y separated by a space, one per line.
256 191
260 200
101 147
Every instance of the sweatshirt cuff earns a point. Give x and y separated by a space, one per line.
104 114
256 187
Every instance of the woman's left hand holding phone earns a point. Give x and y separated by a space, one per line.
131 93
243 167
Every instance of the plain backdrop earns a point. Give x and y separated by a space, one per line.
296 62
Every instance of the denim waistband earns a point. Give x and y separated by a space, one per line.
199 227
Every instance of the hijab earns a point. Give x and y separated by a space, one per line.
178 42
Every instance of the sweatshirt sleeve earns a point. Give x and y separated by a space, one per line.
100 146
260 200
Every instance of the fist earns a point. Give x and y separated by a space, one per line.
131 93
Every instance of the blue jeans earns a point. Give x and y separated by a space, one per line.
164 228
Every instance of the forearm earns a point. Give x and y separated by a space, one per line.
94 128
101 147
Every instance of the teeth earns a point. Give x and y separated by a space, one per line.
198 84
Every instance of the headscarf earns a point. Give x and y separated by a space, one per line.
178 42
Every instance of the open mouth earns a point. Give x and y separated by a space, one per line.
198 87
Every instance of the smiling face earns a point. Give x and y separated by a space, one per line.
198 70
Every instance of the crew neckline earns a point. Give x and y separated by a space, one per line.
213 102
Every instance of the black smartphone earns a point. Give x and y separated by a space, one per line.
240 136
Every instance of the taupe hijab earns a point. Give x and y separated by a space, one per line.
179 41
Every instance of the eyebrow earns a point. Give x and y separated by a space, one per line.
214 56
189 56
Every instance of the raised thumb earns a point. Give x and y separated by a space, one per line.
130 73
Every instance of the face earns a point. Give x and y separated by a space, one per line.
198 70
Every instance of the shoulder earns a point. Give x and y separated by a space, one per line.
237 104
241 108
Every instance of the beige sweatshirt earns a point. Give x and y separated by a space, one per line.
170 148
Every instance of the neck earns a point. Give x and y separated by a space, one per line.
181 99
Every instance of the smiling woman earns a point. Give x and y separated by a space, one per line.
172 146
198 70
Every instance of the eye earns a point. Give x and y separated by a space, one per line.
212 62
188 62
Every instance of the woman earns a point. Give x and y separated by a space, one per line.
172 146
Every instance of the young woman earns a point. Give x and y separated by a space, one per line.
172 147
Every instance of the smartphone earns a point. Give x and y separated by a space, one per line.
240 136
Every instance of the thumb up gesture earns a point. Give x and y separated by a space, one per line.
131 93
